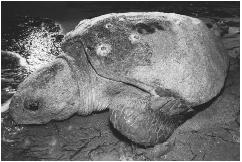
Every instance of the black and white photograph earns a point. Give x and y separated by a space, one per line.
120 80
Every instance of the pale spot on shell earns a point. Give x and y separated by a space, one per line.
103 49
134 38
108 25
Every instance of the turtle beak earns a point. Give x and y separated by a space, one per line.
49 93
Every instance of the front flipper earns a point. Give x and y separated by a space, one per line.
139 117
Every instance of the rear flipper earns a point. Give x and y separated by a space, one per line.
145 120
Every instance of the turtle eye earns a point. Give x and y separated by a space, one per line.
32 105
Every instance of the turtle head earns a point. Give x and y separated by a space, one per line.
49 93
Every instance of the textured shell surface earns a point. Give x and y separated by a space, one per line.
155 50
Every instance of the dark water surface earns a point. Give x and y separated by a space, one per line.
35 30
68 14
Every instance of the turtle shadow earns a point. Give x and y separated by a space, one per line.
204 106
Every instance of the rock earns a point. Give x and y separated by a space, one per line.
12 60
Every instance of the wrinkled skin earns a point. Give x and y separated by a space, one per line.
46 95
102 68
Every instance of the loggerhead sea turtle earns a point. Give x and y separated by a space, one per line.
148 68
